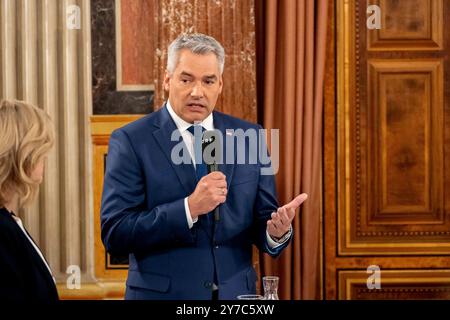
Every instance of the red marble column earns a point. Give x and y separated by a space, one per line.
137 41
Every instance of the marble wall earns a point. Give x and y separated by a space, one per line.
136 48
106 98
232 22
147 28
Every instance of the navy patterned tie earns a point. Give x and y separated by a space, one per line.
200 166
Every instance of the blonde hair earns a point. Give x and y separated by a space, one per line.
27 135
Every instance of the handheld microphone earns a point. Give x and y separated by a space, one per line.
210 159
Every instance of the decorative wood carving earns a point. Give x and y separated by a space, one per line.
396 284
387 153
412 25
392 153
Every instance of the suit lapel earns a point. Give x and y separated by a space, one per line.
226 169
38 259
185 172
34 254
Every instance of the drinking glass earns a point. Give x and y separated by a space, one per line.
270 284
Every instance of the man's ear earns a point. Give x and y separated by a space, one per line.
166 81
220 84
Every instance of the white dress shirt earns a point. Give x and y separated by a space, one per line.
188 139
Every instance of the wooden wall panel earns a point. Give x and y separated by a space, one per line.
417 25
391 148
111 279
387 153
102 127
406 101
403 209
396 284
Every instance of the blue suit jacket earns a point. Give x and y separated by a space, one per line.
143 215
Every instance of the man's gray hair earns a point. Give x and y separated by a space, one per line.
197 43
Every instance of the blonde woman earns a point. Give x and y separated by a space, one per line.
26 138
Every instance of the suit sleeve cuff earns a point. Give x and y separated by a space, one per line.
276 243
188 214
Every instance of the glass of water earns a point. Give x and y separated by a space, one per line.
270 284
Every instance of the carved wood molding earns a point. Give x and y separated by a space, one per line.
395 284
420 29
368 226
100 290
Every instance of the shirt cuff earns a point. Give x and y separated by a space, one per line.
276 243
188 214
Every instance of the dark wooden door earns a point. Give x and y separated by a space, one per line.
387 153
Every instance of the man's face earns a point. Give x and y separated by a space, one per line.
194 85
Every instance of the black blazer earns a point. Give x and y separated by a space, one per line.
23 274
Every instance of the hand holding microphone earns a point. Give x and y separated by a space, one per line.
210 192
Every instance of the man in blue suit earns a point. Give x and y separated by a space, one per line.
161 212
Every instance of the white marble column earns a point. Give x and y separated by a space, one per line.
46 63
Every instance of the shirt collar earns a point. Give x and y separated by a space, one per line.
183 125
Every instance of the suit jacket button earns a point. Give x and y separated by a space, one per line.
208 284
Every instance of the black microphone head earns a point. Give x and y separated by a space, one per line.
206 142
211 149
